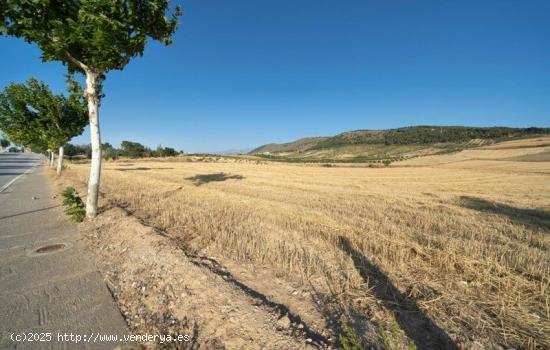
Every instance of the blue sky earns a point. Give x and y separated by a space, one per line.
244 73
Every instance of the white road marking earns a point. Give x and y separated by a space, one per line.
5 187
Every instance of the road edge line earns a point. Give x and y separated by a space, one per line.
5 187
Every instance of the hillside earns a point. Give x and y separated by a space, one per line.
298 145
407 142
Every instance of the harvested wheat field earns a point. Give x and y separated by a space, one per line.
449 251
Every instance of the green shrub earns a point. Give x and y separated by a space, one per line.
349 340
392 337
74 207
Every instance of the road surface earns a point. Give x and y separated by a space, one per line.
49 284
13 165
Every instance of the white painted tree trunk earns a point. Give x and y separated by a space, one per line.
51 159
92 96
60 161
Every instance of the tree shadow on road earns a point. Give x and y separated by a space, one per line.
522 216
416 325
28 165
17 161
29 212
202 179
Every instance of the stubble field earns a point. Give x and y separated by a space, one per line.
453 250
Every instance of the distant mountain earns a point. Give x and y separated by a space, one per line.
298 145
364 145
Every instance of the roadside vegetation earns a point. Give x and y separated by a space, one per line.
74 207
348 337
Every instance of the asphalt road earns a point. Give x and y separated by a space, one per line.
49 282
13 165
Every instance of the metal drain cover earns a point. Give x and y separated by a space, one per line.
46 249
50 248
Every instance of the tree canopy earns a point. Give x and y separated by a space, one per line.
128 149
17 119
101 35
32 115
133 149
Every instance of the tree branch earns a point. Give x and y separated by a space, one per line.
77 62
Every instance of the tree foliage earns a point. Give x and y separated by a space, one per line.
74 207
78 150
164 152
133 149
17 119
32 115
128 149
137 150
100 34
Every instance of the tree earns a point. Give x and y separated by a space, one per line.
108 151
66 119
18 120
92 37
78 150
52 119
164 152
169 152
134 149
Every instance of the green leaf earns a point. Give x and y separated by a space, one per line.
101 34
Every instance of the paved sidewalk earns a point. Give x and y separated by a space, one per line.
48 279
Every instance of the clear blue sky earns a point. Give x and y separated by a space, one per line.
244 73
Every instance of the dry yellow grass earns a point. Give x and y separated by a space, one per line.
466 241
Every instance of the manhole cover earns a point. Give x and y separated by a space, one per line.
47 248
50 248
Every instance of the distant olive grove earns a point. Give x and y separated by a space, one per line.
426 135
127 149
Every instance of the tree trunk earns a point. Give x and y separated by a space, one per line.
92 95
51 159
60 161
